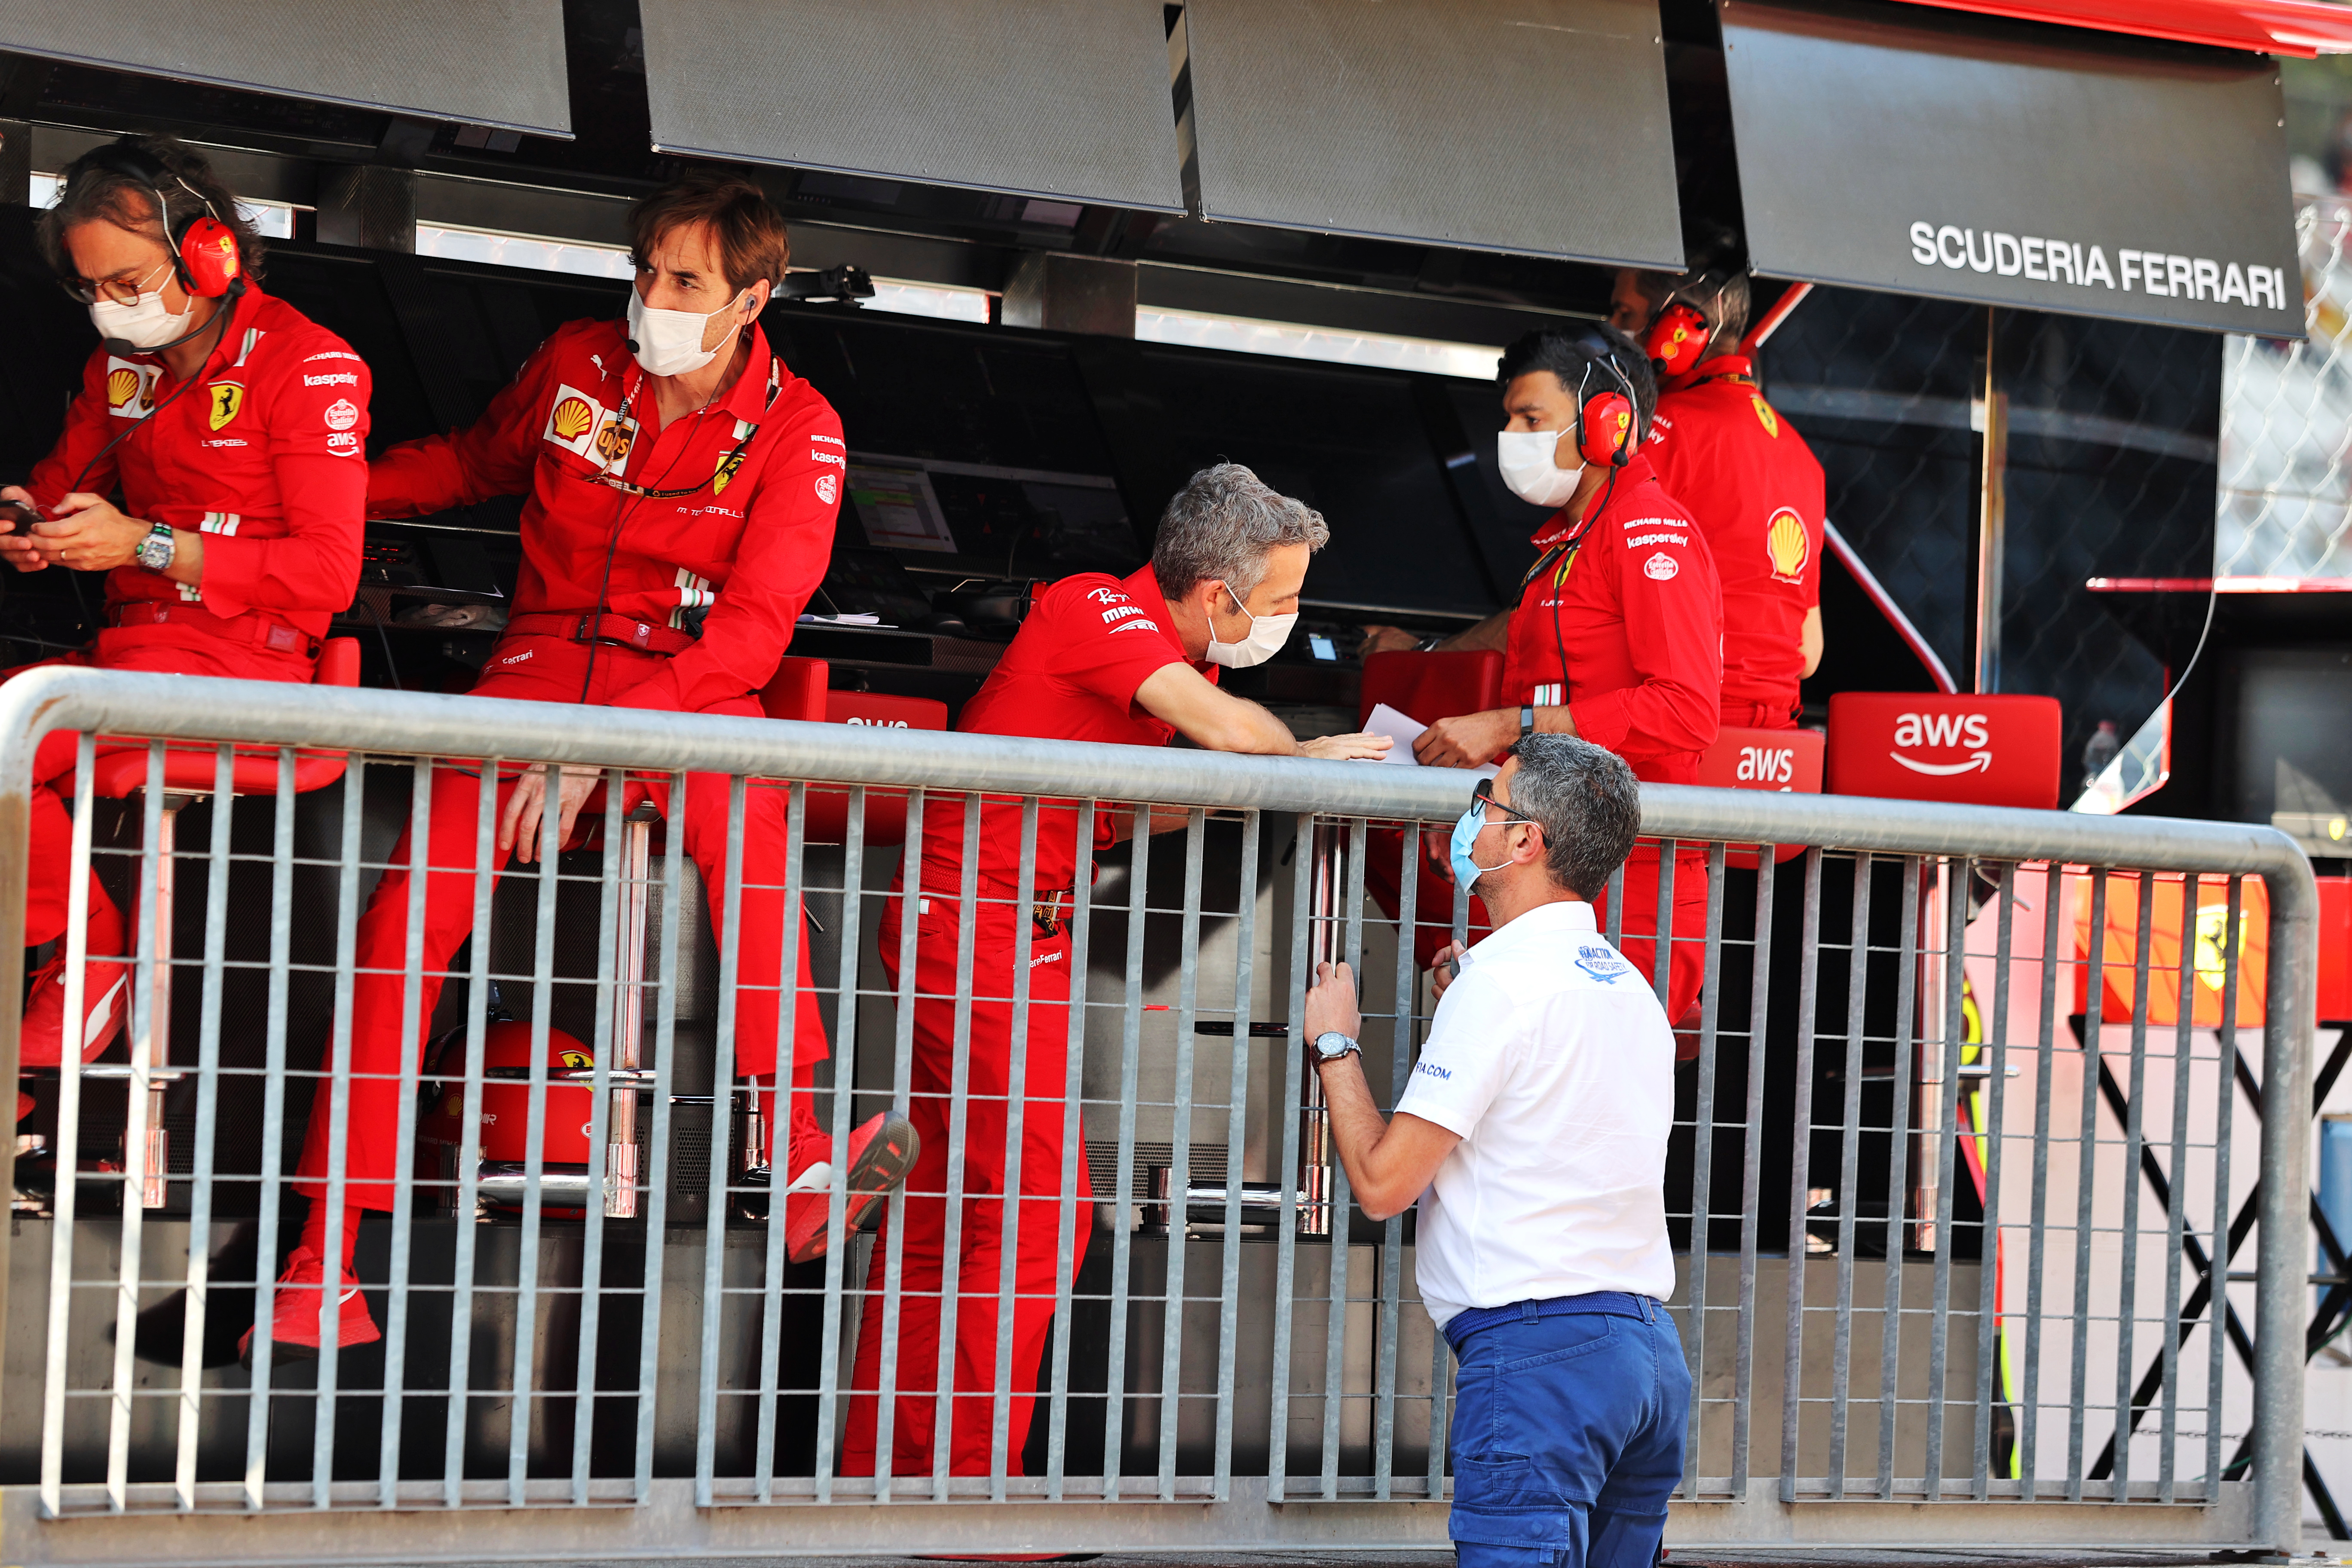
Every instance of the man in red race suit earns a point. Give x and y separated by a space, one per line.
1108 661
1744 476
235 429
680 489
1618 628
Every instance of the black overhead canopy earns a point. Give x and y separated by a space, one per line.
1064 100
2012 163
1533 126
479 62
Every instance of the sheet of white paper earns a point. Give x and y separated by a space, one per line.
1404 730
1401 728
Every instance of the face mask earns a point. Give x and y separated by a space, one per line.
143 325
1529 467
1467 872
1266 636
669 342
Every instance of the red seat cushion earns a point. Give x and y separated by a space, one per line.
1428 687
193 770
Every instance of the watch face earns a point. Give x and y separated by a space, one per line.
1331 1045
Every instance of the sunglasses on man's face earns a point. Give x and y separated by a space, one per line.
1482 794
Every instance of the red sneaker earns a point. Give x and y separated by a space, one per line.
881 1152
105 998
294 1314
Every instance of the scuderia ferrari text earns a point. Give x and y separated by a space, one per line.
2069 261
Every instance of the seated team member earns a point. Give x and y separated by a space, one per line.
668 463
1744 476
1618 628
1108 661
235 426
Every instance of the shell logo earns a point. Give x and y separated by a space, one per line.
1787 545
571 417
1771 420
121 386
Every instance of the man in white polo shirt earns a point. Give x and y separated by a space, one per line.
1533 1133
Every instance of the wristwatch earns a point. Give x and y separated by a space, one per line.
1527 720
155 551
1331 1045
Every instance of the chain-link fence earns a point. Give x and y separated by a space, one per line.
2108 471
2286 423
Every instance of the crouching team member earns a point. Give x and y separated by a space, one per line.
235 429
1619 630
1746 477
669 465
1109 661
1533 1134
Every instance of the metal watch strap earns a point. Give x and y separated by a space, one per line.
1527 720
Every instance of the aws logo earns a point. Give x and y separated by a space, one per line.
1769 766
879 723
1943 731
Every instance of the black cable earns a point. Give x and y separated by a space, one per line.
613 545
390 664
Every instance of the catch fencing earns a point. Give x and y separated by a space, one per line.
1960 1180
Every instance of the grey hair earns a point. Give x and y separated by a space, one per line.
1587 804
1220 525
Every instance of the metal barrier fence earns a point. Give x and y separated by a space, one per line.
1949 1233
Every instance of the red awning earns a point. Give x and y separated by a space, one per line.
2304 28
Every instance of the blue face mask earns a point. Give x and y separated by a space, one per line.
1467 872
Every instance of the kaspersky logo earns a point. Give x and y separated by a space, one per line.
1943 732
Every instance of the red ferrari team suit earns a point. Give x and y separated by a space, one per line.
1627 601
739 527
1071 674
263 453
1756 491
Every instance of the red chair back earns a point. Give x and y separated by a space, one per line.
1428 687
797 690
886 814
1971 751
1779 760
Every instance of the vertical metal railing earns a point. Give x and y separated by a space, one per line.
1919 1300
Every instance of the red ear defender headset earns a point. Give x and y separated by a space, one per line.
204 248
1676 339
1604 419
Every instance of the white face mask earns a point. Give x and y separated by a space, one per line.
669 342
1266 636
1530 468
145 324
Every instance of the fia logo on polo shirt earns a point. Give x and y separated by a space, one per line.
573 419
1601 962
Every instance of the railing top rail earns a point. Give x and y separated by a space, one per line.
264 713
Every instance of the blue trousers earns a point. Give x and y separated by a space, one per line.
1567 1438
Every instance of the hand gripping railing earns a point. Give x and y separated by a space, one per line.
1332 1400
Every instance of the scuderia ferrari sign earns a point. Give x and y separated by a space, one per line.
1941 153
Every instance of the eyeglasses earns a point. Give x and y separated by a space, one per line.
116 290
1482 795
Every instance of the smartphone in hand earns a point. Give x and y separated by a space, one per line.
15 517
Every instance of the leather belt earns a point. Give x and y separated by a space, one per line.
1047 912
616 631
250 628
